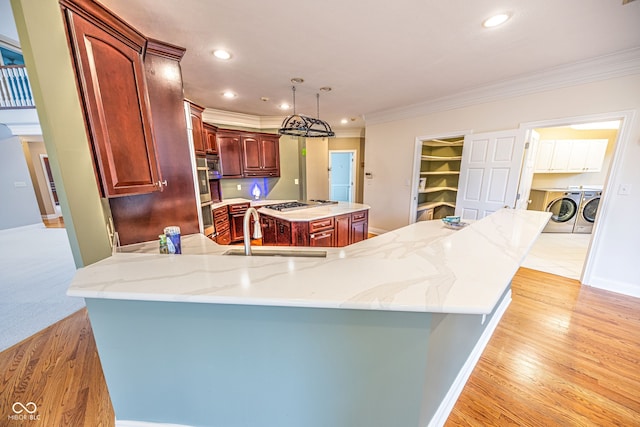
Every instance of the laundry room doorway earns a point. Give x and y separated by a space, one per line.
572 161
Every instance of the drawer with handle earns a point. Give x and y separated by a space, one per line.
321 224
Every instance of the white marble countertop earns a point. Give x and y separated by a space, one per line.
422 267
316 212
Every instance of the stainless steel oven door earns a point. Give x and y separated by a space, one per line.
203 179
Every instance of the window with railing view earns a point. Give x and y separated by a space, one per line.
15 90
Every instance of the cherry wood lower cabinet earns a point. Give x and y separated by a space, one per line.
359 226
338 231
236 220
221 224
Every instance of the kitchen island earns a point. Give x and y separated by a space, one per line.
383 332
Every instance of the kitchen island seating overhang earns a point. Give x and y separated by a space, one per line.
412 303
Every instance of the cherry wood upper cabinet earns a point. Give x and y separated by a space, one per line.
230 150
261 155
107 56
210 132
197 129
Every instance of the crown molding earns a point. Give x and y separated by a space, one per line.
230 118
24 129
614 65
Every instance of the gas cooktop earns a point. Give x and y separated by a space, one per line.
293 206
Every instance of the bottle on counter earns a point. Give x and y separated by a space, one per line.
173 239
164 249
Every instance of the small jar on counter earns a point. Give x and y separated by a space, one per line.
164 249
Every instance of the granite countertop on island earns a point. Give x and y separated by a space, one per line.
422 267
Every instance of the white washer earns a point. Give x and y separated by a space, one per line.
563 205
587 212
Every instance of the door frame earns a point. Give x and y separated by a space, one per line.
415 174
354 175
627 118
56 208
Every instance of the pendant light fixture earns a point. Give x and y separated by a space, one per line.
305 126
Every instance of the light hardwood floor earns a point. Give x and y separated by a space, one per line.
563 355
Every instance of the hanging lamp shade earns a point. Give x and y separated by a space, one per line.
305 126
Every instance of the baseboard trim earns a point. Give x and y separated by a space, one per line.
127 423
450 399
623 288
377 231
50 216
22 228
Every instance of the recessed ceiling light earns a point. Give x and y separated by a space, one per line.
297 80
264 99
221 54
325 89
496 20
344 121
229 95
284 106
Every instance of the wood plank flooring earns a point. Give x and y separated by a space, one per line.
563 355
58 369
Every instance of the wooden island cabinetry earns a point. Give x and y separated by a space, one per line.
334 231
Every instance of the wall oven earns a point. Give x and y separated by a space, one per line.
202 170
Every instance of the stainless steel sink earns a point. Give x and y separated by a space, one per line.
257 251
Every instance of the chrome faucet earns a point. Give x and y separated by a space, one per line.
257 233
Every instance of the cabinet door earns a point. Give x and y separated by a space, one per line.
595 155
342 230
230 155
323 239
210 139
251 154
270 155
359 231
544 155
283 233
113 88
578 158
236 227
197 130
561 155
268 225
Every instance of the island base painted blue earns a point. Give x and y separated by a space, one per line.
200 364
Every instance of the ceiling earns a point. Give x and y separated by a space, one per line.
375 55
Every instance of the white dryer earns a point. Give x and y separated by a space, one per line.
563 205
587 212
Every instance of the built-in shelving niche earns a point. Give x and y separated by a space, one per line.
439 174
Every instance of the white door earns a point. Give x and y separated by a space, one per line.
528 167
341 179
489 172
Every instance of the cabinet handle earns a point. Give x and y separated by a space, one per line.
160 183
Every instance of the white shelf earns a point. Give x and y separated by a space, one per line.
441 158
436 189
440 173
442 143
432 205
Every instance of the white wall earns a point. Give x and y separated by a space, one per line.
8 31
19 206
317 179
390 147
